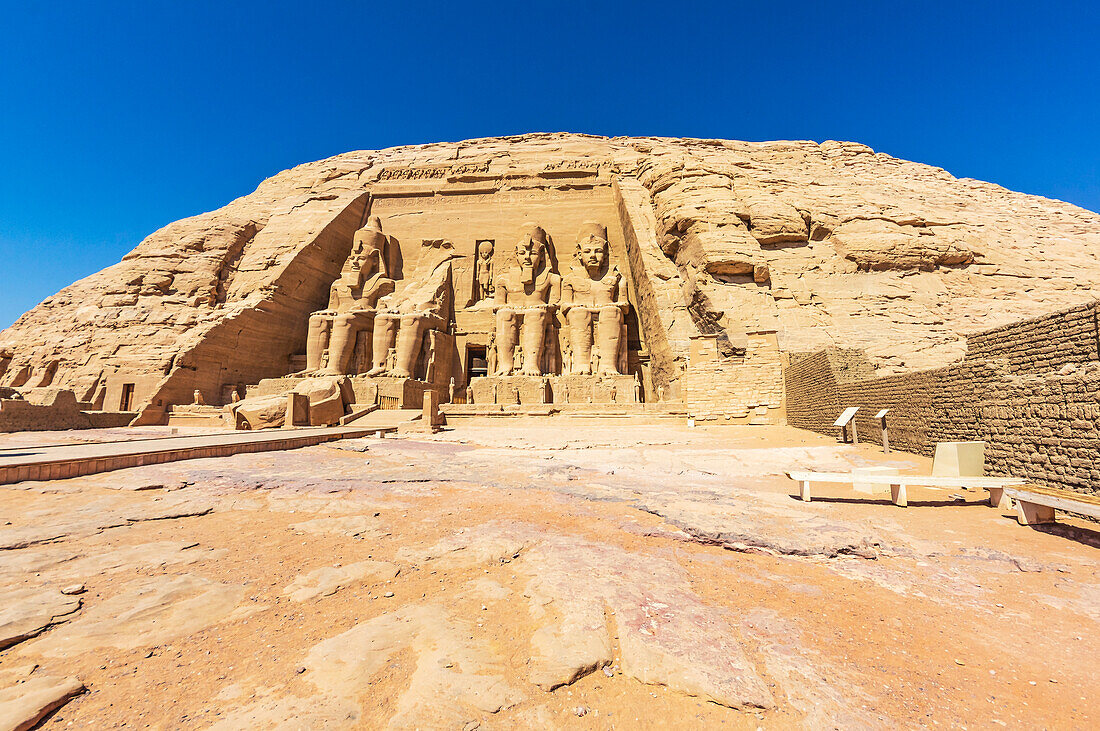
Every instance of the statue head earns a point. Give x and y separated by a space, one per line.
592 248
484 250
531 252
367 251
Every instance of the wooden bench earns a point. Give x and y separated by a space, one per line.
898 483
1036 505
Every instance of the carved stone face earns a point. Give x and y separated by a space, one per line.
366 254
529 256
592 252
528 253
485 250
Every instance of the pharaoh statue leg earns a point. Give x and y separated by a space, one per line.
385 333
609 332
623 361
532 340
580 340
506 341
410 339
320 329
342 341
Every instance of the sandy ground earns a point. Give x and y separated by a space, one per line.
533 573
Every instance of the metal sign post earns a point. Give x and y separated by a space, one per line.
846 418
881 416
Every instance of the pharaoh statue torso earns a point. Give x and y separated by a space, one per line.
517 292
594 305
350 294
593 293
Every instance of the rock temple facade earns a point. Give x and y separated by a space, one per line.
550 272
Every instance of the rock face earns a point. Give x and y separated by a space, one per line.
733 253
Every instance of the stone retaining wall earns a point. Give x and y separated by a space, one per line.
161 451
1031 390
743 388
55 410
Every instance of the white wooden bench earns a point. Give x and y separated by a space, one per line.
898 483
1036 505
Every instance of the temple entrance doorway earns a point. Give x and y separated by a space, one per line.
127 399
477 363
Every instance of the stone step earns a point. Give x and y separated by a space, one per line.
63 461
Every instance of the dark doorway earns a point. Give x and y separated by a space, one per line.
127 399
476 362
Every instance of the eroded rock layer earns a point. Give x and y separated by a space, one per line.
766 247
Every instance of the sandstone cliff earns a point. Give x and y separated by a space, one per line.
822 244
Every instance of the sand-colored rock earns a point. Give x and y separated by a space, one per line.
453 681
820 244
61 565
153 610
23 705
472 548
673 642
28 612
359 526
564 652
327 399
327 580
95 517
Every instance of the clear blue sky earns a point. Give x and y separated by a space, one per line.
117 118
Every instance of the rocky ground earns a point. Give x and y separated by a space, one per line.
579 574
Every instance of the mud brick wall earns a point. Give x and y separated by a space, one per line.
811 385
1044 343
1030 390
811 391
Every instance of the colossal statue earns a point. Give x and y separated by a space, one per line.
352 301
524 301
594 306
407 317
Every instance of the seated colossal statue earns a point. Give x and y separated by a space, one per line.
407 316
594 305
524 300
353 297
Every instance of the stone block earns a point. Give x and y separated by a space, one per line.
959 459
431 415
870 485
297 410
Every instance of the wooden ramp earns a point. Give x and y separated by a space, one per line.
386 419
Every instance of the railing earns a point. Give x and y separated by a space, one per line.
389 402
